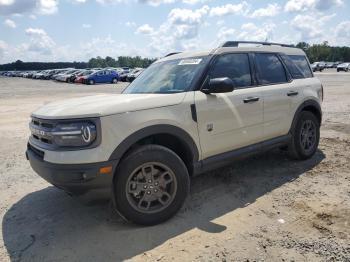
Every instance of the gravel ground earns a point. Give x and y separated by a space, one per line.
265 208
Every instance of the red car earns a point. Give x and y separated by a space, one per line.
80 77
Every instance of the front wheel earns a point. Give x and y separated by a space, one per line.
305 136
91 82
151 184
115 80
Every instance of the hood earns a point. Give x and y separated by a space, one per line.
102 105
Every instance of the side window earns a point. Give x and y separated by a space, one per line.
234 66
301 62
270 69
294 70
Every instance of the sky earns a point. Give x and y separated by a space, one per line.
76 30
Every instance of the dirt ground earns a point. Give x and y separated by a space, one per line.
265 208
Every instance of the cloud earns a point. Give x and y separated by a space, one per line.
305 5
225 34
39 41
269 11
193 2
342 33
230 9
310 27
145 29
179 32
130 24
156 2
10 23
6 2
44 7
86 26
252 32
106 2
187 16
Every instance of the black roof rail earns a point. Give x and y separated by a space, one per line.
173 53
236 43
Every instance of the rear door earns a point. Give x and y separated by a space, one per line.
275 86
229 121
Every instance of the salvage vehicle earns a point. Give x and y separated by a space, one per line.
186 114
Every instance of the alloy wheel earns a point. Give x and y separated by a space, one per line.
308 136
151 187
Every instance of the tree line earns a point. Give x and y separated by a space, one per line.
315 52
324 52
98 62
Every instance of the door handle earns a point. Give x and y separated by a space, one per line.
250 100
292 93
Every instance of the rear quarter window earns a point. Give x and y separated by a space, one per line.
302 65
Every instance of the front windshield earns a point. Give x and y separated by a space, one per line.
171 76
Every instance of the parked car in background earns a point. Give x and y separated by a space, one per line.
318 66
133 74
337 63
102 76
83 75
64 77
60 73
329 64
343 67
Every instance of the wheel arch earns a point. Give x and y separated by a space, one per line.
308 105
169 136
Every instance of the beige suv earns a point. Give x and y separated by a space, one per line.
186 114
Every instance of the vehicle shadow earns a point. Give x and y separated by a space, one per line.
48 225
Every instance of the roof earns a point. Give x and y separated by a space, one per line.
236 47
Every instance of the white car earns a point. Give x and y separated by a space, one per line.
343 67
186 114
64 76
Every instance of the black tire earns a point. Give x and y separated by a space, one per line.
126 201
114 80
303 145
91 82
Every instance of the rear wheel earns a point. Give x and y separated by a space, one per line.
151 185
115 80
91 82
305 137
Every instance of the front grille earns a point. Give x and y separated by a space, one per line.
41 130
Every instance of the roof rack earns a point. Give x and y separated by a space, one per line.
173 53
236 43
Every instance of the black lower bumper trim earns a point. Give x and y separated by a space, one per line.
76 179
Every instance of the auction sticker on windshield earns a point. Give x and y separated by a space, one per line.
190 61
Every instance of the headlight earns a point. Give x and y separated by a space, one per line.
76 134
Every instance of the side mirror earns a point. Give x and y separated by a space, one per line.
219 85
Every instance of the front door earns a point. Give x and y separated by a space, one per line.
229 121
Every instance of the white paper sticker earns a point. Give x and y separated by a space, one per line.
190 61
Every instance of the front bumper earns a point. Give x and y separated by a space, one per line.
83 180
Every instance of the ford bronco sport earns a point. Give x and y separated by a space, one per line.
186 114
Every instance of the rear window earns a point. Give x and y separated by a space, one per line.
302 64
270 69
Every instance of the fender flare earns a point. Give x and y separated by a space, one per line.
181 134
307 103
